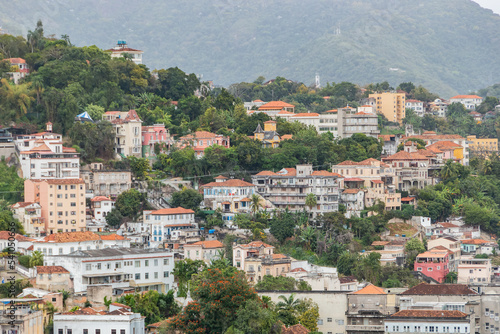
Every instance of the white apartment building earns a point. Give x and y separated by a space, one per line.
207 250
128 132
101 181
289 187
30 215
142 269
43 156
428 321
101 207
162 223
438 108
474 271
90 321
471 102
68 242
417 107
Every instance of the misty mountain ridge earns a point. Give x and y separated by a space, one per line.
450 46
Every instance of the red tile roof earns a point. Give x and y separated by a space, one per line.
429 314
229 183
408 199
16 60
402 155
121 305
23 204
220 177
78 237
295 329
207 244
173 211
475 242
377 181
457 97
351 191
414 101
353 179
286 137
325 173
256 244
266 173
371 290
198 135
273 105
279 256
440 289
5 235
306 114
51 270
100 199
445 144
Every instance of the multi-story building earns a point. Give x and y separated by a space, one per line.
367 170
102 181
241 252
25 320
121 49
18 69
142 269
417 107
391 104
289 187
53 278
391 143
231 196
255 104
101 207
434 263
428 321
118 320
430 137
451 244
30 215
354 202
367 309
474 271
471 102
412 170
438 108
22 244
482 147
127 130
358 122
43 156
200 140
162 223
69 242
153 135
207 251
269 136
62 202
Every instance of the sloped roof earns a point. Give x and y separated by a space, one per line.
295 329
457 97
78 237
220 177
5 235
100 199
286 137
198 135
256 244
51 270
229 183
428 314
475 242
351 191
306 114
16 60
174 211
402 155
445 144
276 105
23 204
207 244
325 173
371 290
265 173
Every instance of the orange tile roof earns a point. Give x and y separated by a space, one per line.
295 329
51 270
121 305
289 172
429 136
324 173
198 135
207 244
475 242
65 181
465 97
85 311
23 204
100 199
220 177
5 235
348 163
414 101
351 191
377 181
408 199
434 253
40 148
402 155
69 149
174 211
229 183
332 111
429 314
266 173
177 225
353 179
256 244
306 114
286 137
279 256
16 60
445 144
276 105
371 290
246 199
78 237
380 243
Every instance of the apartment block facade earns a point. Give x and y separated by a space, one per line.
62 201
102 181
127 130
391 104
289 187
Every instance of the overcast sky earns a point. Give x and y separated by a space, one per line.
494 5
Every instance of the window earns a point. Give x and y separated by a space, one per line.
156 274
329 319
146 263
122 331
99 266
340 322
156 262
137 276
97 331
146 276
60 331
320 322
165 262
88 267
69 331
85 331
165 274
137 264
113 331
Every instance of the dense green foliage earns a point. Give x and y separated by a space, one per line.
153 305
187 198
281 283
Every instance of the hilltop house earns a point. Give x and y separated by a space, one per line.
200 140
127 129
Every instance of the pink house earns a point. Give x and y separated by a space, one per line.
434 263
200 140
20 66
155 134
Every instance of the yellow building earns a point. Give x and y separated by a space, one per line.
269 136
391 105
482 146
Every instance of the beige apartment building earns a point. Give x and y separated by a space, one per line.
62 201
391 104
482 146
128 132
206 251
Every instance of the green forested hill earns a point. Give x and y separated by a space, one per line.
449 46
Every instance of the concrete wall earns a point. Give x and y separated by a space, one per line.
96 294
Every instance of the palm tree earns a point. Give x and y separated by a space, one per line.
255 204
37 84
289 304
311 202
307 236
36 259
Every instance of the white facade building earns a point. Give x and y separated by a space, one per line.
91 321
428 321
43 156
471 102
417 107
101 207
30 215
143 269
162 223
